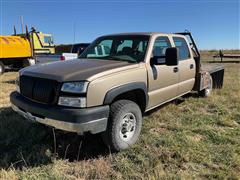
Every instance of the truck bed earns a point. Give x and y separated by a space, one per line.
46 58
211 68
40 59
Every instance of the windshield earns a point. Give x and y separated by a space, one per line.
131 48
48 39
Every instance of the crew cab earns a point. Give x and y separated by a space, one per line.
109 93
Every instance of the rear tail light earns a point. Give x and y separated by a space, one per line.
62 58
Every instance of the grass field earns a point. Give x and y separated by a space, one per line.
194 138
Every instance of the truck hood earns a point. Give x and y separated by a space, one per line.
77 69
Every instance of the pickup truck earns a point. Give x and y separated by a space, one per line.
75 51
109 94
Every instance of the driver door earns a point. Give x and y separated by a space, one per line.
163 80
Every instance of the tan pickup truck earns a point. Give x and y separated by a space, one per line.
108 92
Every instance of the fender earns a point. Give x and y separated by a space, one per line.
113 93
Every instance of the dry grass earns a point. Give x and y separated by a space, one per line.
197 138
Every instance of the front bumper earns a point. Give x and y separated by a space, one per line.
93 120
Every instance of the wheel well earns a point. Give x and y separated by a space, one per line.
138 96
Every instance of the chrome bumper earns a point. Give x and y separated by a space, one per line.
94 126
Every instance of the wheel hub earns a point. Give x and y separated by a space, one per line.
128 126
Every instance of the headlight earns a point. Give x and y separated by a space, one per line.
17 83
75 87
72 101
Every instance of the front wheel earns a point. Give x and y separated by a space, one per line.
124 127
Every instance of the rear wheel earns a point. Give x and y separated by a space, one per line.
2 68
208 90
124 127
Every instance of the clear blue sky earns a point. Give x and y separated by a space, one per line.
214 23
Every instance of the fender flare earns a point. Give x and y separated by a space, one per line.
113 93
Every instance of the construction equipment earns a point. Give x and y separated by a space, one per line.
19 50
14 47
42 43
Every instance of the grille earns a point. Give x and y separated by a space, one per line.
38 89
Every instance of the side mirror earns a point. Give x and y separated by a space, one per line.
157 60
80 50
171 56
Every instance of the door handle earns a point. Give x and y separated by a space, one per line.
175 69
191 66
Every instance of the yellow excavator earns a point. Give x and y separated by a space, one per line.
19 50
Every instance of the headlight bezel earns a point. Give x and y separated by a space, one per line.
73 94
62 101
68 87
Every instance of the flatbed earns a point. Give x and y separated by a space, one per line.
212 68
227 56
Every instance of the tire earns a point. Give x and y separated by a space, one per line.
2 68
124 125
207 91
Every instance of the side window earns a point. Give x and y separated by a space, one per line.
159 49
47 39
181 44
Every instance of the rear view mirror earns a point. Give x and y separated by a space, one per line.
171 56
80 50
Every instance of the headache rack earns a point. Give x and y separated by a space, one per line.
202 71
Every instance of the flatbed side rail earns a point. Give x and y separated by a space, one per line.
217 77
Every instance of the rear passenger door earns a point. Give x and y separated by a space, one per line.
186 66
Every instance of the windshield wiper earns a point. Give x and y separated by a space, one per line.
119 59
112 58
104 57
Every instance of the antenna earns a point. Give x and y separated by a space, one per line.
27 33
21 17
74 35
74 32
14 31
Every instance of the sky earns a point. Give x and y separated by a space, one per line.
215 24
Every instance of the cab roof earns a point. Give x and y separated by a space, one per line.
140 33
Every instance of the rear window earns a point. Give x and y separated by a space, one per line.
182 46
